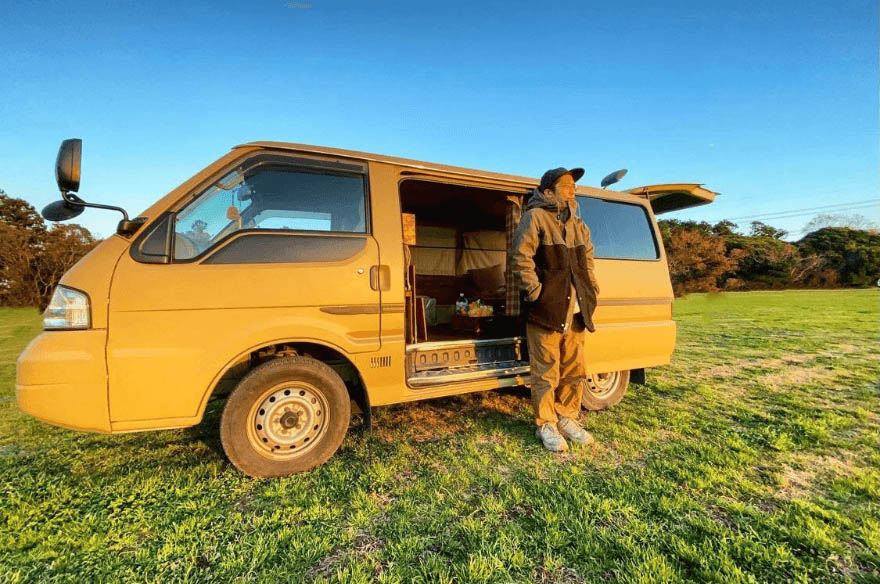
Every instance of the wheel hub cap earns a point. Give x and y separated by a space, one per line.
289 420
600 384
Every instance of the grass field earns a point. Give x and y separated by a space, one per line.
752 458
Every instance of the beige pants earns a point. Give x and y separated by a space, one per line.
557 371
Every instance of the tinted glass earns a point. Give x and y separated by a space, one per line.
266 193
618 230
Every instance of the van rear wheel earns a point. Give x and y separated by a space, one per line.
286 416
603 390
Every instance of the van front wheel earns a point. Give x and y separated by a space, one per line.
603 390
286 416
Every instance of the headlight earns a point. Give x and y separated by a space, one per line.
68 309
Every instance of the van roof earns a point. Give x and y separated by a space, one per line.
663 198
521 181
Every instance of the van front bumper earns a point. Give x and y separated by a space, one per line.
61 378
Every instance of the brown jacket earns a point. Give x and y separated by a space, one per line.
548 255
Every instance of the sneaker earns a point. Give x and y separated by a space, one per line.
573 431
552 439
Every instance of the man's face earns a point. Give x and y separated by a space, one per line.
564 187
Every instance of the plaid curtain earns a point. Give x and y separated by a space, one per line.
514 212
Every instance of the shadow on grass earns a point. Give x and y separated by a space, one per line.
208 430
491 416
437 419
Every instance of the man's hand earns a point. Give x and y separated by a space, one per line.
534 294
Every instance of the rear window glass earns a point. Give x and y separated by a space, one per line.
618 230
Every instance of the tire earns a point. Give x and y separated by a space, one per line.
286 416
603 390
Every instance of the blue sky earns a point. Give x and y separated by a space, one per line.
774 104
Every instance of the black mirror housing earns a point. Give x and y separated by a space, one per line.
128 227
61 210
67 165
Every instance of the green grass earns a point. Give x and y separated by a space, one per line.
752 458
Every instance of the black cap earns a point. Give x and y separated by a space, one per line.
551 176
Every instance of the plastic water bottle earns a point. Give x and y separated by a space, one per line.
461 306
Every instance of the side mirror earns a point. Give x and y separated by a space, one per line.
67 165
613 177
62 210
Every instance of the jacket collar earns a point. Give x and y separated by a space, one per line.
544 200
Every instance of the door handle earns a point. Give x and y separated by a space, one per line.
380 277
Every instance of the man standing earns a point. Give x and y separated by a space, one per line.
552 260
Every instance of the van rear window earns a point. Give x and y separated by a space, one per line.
620 231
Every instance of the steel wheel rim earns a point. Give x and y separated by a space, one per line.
288 420
603 384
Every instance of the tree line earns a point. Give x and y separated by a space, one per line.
708 258
702 257
33 257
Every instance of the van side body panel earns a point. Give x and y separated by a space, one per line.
174 327
634 326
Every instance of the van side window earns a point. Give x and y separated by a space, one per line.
618 230
267 193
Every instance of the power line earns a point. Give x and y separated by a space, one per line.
806 214
798 212
840 207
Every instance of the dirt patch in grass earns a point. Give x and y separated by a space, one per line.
785 372
738 368
800 473
744 366
846 348
382 499
720 371
490 439
795 482
364 545
795 376
418 422
427 421
520 510
576 453
560 575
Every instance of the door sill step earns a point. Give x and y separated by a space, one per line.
454 357
468 373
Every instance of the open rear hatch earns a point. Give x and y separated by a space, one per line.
673 197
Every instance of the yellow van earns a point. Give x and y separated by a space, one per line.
306 283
